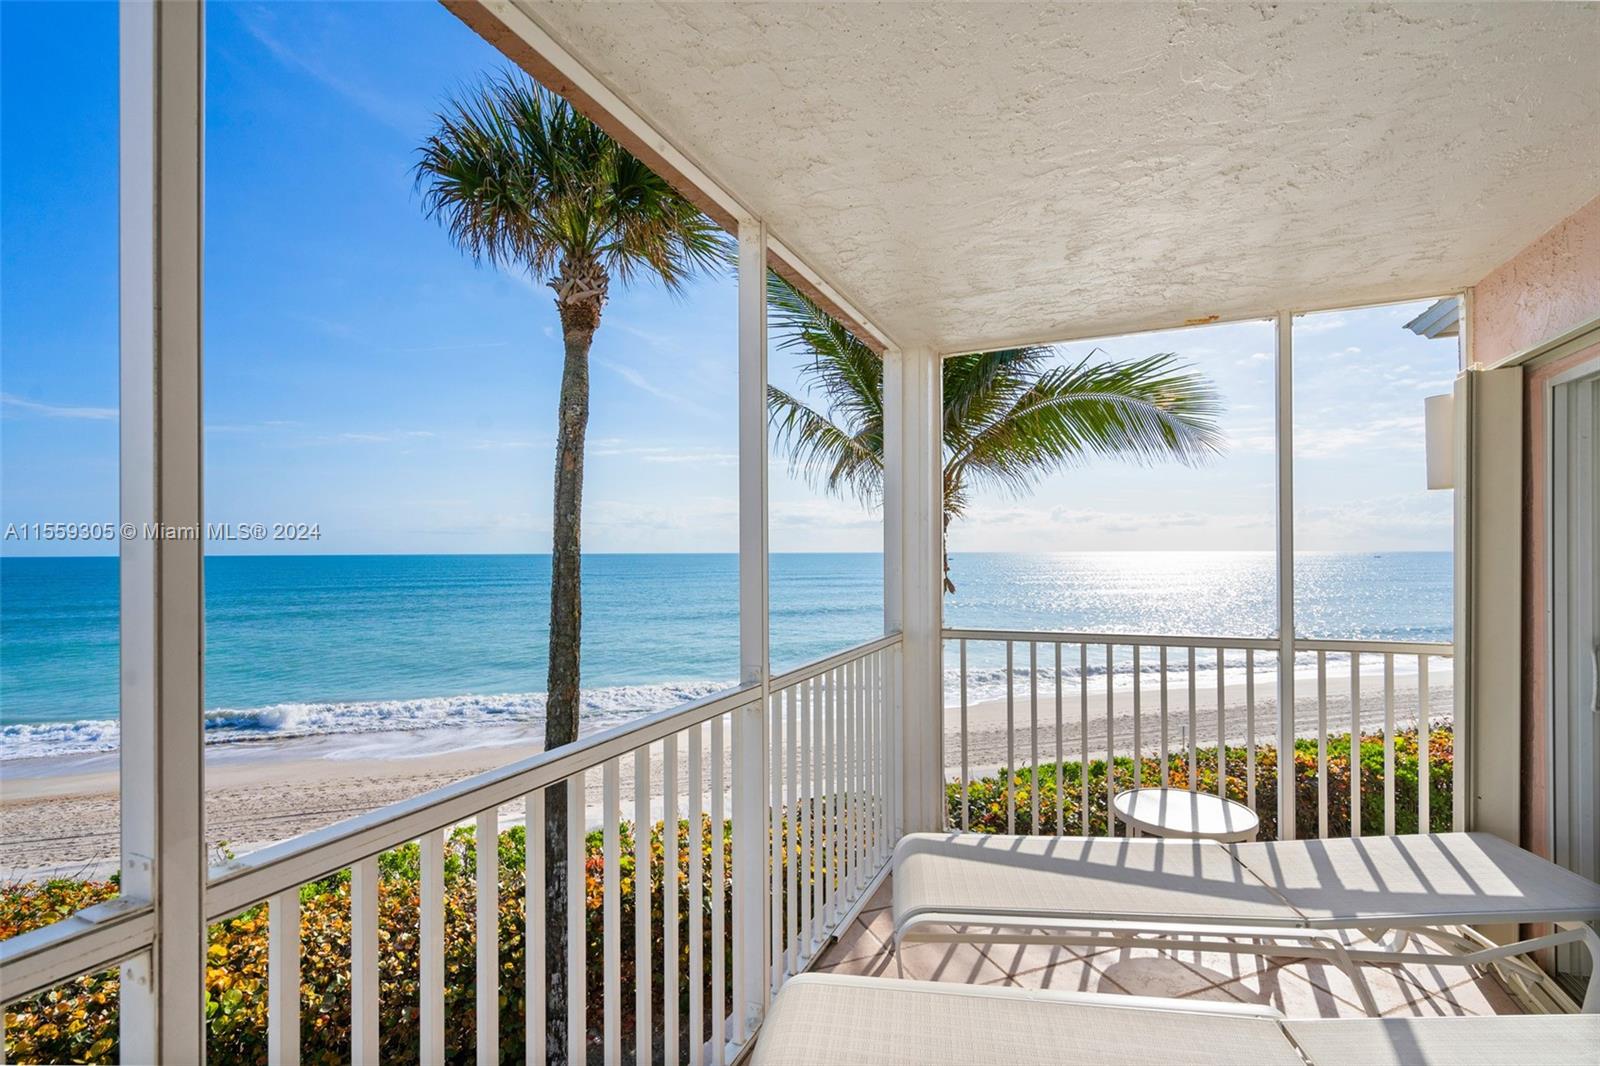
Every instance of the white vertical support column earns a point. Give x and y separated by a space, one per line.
914 573
1488 638
1283 432
162 96
750 948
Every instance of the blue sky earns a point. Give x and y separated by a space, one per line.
363 375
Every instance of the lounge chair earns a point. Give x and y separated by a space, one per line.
1290 898
826 1020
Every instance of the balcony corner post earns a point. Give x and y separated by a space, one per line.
914 575
162 601
750 742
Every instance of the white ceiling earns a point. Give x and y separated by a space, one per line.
975 174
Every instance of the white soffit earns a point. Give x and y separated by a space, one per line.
972 175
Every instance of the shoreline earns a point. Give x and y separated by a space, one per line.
61 822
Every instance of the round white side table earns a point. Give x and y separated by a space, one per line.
1177 812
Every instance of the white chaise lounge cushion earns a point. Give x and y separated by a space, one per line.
1141 879
1542 1039
1425 879
867 1021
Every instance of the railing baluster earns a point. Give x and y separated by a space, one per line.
1138 735
643 905
1194 738
1164 779
697 899
859 881
1083 739
669 900
834 820
885 753
869 762
577 940
1111 754
719 876
364 962
283 979
819 813
1222 730
1424 746
535 930
1250 727
1011 745
431 942
966 776
1322 744
852 801
1355 744
1033 737
775 956
874 766
487 976
1061 802
1459 754
805 804
611 914
1388 744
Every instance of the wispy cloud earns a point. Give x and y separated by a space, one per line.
260 23
644 384
1321 442
467 346
614 447
392 436
54 410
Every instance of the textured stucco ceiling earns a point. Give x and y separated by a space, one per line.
976 174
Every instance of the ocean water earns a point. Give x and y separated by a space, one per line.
309 645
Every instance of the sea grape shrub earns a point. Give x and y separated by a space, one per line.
77 1022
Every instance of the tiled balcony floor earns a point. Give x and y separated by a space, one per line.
1300 989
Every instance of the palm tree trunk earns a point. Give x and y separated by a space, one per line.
944 544
579 318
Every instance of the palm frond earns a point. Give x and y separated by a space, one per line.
827 455
519 178
1142 410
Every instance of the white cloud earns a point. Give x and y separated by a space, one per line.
613 448
1321 442
52 410
644 384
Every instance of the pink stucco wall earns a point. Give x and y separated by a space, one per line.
1546 289
1543 291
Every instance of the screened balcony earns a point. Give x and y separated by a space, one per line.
1200 167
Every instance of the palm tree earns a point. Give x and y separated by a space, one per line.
524 182
1010 416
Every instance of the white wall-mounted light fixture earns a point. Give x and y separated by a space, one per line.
1439 418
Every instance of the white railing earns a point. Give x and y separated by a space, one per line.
1155 710
678 762
833 796
824 786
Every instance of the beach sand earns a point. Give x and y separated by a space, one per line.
59 816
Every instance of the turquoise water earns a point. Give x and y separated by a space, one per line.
360 644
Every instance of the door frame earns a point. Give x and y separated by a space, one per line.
1557 594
